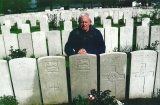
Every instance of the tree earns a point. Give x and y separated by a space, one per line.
16 6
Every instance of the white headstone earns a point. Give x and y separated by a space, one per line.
143 65
67 25
25 80
113 73
39 44
83 74
5 30
44 26
25 42
126 37
155 35
10 40
2 48
145 21
107 23
111 38
115 17
53 79
65 35
54 42
19 23
129 22
142 39
8 23
5 80
25 28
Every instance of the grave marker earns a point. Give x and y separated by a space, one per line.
113 73
2 48
53 79
25 80
143 65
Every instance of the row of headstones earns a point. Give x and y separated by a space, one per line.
67 15
49 78
35 42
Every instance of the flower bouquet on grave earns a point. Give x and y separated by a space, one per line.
95 98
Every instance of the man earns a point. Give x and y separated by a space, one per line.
85 39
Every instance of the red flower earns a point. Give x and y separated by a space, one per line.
91 97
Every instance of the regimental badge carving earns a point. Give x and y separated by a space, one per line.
83 64
51 66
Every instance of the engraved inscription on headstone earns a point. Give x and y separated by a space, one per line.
143 64
113 73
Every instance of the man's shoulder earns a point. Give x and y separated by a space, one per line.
75 31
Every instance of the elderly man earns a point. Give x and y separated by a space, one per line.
85 39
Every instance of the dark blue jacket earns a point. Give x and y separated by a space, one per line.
92 41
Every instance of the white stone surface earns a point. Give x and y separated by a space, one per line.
39 44
10 40
107 23
115 17
5 30
26 28
155 35
145 21
65 35
54 42
25 81
5 80
44 25
67 25
126 37
2 48
83 74
111 38
52 71
25 42
143 65
113 73
129 22
142 38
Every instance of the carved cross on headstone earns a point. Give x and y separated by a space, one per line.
143 73
142 37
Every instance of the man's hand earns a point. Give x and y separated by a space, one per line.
82 51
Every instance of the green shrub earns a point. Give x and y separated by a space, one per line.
95 98
8 100
17 53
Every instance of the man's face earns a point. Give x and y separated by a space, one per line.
85 23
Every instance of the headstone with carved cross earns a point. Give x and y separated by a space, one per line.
83 74
111 38
143 65
126 37
25 80
53 79
113 73
5 80
142 38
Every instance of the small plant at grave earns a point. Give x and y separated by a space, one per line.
109 17
121 22
8 100
32 56
17 53
125 49
153 46
95 98
6 58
